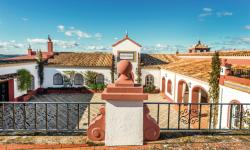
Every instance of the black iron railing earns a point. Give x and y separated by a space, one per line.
47 116
76 116
241 73
200 116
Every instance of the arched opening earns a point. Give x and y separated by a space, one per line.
149 80
169 88
234 113
99 79
183 92
78 79
199 95
163 82
58 79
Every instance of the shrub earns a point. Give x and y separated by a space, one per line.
93 87
98 86
90 77
24 79
149 88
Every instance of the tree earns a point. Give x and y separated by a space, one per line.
113 69
138 70
214 88
40 65
90 77
69 77
24 79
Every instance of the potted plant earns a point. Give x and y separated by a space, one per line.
24 82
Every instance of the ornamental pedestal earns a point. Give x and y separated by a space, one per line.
124 109
127 121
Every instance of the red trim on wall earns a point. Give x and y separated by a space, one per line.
163 84
179 92
11 89
238 80
239 61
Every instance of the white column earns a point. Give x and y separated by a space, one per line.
124 123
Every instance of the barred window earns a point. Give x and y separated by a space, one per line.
149 80
100 79
78 80
58 79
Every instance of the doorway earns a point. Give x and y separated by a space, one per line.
4 91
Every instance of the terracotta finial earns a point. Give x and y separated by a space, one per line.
124 68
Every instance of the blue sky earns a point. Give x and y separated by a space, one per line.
161 26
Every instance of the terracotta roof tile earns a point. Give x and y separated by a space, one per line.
81 59
157 60
198 69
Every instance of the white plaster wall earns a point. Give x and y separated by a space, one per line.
124 123
155 72
194 82
168 76
129 46
226 96
31 67
49 72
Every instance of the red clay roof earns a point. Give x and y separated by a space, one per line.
45 55
126 38
70 59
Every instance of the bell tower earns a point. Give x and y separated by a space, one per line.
127 49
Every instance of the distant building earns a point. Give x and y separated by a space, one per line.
199 47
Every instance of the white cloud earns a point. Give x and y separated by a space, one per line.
8 45
247 27
164 48
98 36
60 28
207 9
65 44
25 19
59 43
71 31
224 14
205 13
37 41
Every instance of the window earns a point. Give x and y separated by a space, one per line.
149 80
58 79
78 80
235 115
32 85
99 79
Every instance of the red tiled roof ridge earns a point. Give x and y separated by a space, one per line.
126 38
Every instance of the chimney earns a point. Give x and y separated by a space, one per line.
29 51
50 45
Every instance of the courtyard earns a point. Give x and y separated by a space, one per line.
74 111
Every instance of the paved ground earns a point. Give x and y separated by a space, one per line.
73 116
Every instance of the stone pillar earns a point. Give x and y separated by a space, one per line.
124 109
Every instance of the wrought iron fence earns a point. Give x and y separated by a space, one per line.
76 116
200 116
47 116
241 73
